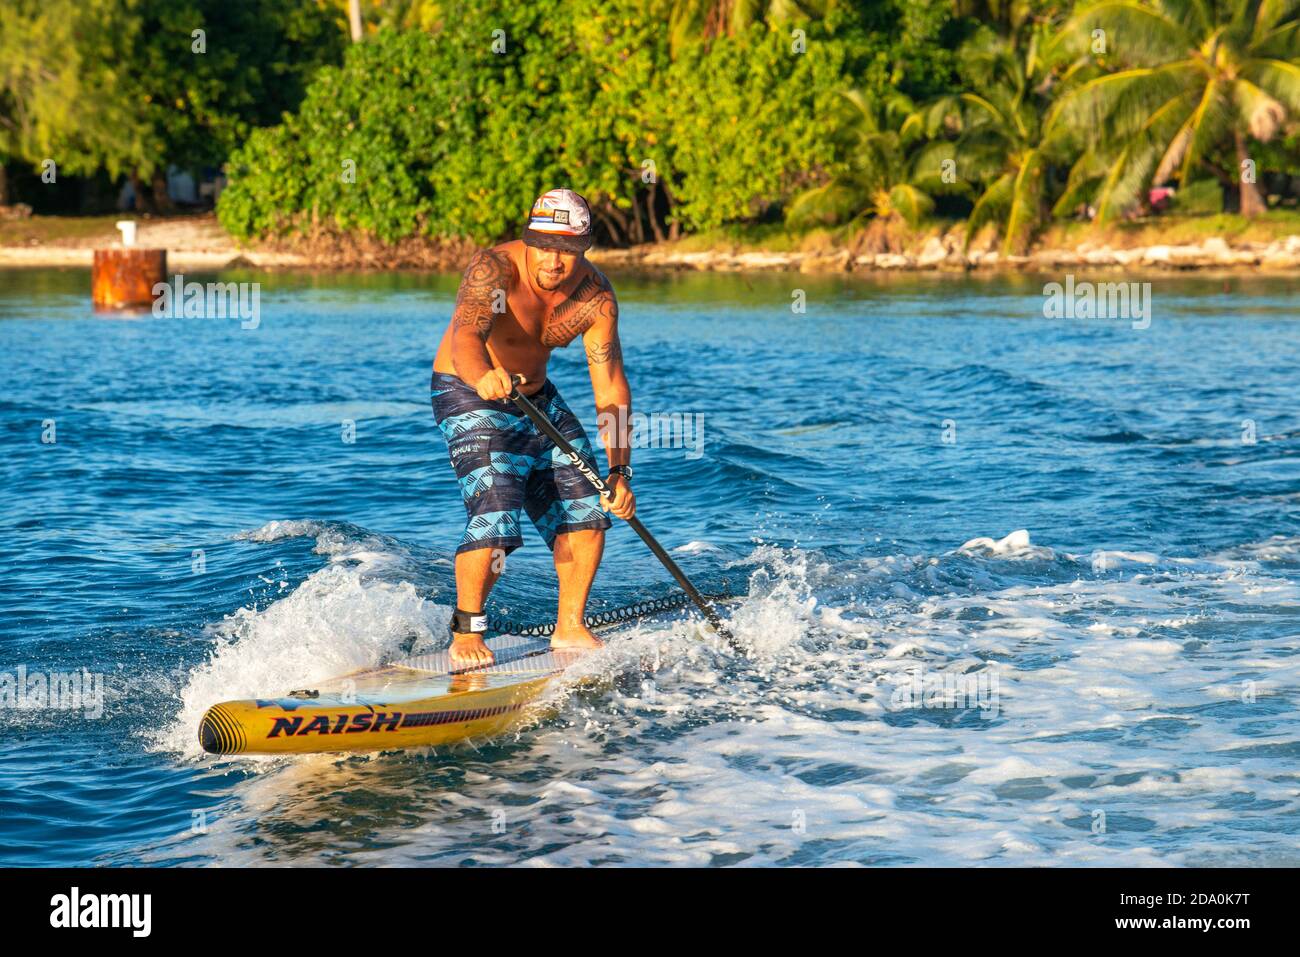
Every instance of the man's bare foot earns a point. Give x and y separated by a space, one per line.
468 651
579 637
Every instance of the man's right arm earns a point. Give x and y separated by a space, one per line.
482 297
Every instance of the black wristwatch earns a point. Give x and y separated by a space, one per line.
623 470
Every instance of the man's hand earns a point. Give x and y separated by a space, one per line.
495 384
623 504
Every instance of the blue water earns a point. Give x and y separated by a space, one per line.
194 527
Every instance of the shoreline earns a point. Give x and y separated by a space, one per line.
199 243
1213 256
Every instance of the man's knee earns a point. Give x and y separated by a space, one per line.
484 559
582 541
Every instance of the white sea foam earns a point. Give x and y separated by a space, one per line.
339 619
694 548
1017 541
1145 716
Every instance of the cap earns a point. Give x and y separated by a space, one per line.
560 219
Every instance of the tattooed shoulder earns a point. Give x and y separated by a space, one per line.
483 290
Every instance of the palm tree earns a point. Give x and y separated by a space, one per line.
994 131
1183 81
876 181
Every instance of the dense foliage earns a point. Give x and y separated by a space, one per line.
130 86
669 115
452 135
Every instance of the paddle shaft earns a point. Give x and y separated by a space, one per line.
526 406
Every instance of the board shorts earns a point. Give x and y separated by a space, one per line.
506 465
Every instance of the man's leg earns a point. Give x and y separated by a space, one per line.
577 556
476 572
568 514
492 458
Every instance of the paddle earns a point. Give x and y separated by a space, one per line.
526 406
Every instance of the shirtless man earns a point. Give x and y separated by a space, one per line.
517 302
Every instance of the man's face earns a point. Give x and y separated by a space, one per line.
550 267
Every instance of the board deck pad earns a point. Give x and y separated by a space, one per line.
412 702
512 653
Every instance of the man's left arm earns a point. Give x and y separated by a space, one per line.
613 398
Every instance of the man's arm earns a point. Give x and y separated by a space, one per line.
613 396
482 297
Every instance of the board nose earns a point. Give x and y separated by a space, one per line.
220 733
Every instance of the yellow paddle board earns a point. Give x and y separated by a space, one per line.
413 702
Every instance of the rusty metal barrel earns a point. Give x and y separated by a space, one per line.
124 278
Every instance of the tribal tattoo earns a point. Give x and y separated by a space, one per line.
601 352
591 301
483 292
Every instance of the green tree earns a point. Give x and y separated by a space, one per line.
447 135
877 179
52 107
1178 84
454 134
994 132
133 85
753 135
615 146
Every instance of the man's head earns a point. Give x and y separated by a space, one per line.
550 267
557 235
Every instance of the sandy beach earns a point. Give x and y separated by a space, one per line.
198 242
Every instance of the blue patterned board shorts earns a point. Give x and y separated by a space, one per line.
505 463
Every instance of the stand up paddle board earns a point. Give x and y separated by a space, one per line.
413 702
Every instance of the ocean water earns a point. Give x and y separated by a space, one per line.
1013 590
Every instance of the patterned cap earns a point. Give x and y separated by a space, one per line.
560 219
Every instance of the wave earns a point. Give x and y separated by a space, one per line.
1106 683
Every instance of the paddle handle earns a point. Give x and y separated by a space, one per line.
526 406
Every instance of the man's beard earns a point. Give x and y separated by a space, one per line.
544 285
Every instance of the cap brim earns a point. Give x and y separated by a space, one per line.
568 244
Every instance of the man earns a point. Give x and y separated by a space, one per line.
516 303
